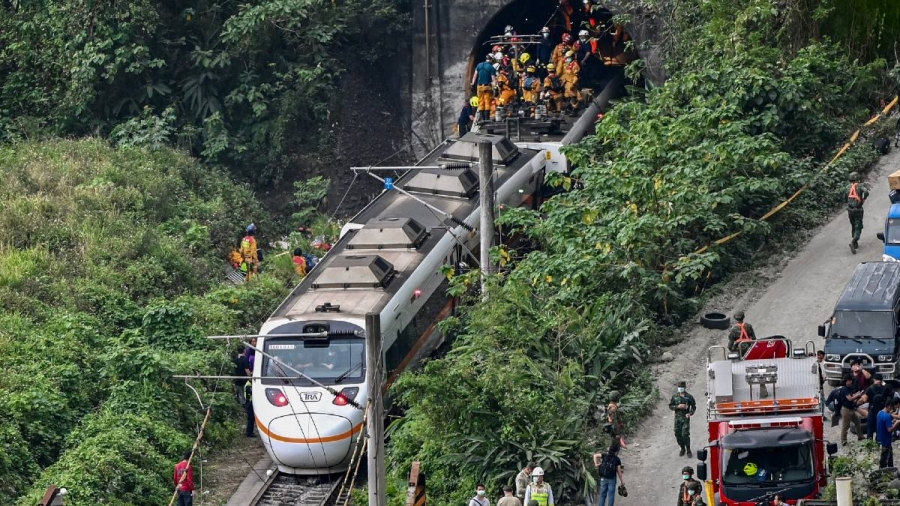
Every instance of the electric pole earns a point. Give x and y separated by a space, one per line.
375 410
486 196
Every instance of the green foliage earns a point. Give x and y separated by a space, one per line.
740 125
237 83
112 280
309 197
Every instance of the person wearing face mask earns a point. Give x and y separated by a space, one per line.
571 69
684 494
480 499
544 50
684 406
539 490
696 492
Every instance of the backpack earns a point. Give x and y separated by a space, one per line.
529 83
606 466
556 83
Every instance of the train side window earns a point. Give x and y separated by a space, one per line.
415 330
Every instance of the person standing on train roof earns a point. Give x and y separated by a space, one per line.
559 52
485 80
544 50
183 477
249 253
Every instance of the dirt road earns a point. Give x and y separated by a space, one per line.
791 299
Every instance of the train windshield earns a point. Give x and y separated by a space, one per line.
330 362
769 466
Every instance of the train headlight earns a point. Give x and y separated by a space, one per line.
276 397
345 396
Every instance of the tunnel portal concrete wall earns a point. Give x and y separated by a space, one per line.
442 54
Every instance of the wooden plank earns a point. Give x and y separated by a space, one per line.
894 180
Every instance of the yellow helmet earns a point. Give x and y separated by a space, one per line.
570 54
530 68
750 469
473 101
524 58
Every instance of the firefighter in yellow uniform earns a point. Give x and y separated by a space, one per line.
507 89
539 490
520 64
570 79
249 253
559 52
485 80
531 88
553 89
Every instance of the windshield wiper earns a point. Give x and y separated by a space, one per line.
347 373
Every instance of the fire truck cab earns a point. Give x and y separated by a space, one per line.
764 411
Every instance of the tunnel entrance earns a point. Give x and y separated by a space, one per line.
527 17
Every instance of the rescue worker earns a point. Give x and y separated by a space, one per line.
569 15
506 65
507 89
856 197
467 116
740 333
235 258
248 407
614 418
539 490
684 406
684 494
523 478
485 80
570 80
553 89
249 253
520 64
544 51
531 88
559 52
587 48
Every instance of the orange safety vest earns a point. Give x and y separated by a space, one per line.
685 496
744 335
853 193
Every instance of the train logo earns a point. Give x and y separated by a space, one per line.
311 396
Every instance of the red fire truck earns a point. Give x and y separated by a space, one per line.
764 410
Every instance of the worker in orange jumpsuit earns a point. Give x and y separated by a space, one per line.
250 254
559 52
553 89
570 79
507 89
531 88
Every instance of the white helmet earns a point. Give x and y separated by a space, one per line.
496 66
537 472
545 29
583 33
508 29
498 56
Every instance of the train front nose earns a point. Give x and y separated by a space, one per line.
309 440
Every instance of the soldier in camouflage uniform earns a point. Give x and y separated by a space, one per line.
740 333
856 197
614 418
684 406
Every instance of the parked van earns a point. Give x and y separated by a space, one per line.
891 235
864 324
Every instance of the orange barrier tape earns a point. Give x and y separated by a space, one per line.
775 210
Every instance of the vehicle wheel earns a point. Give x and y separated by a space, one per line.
717 321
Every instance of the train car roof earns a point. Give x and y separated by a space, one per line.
366 267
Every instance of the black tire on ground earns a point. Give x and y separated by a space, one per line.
717 321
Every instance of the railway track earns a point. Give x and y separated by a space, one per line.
286 490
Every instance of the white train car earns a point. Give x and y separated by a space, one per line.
387 261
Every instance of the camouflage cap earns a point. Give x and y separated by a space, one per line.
687 470
854 176
739 315
681 383
614 396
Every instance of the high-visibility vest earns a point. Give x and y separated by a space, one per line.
853 193
540 493
744 335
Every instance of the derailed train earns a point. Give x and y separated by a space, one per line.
387 261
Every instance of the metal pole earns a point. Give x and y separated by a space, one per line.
375 410
485 171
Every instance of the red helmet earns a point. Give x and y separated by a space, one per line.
566 38
497 48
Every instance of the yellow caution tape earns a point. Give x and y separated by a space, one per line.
775 210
